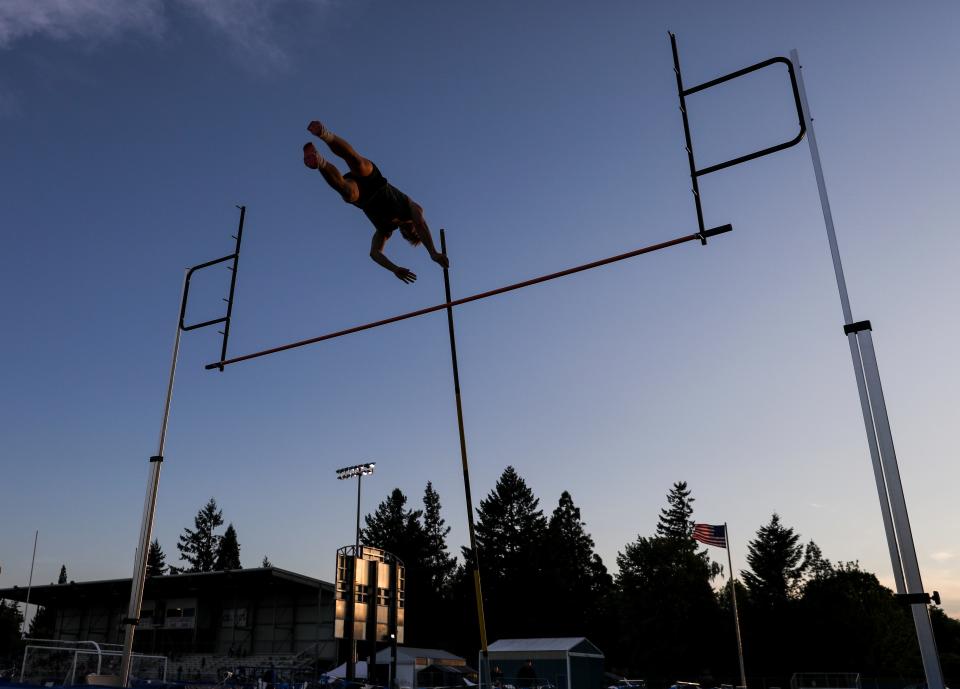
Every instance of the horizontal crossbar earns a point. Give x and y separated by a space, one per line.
475 297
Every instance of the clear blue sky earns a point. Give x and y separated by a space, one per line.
542 135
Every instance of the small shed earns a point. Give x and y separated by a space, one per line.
563 663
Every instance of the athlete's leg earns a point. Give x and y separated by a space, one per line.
342 149
345 187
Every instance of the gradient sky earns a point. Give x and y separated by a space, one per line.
542 135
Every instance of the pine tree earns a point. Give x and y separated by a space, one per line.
815 564
438 563
846 616
62 579
198 547
11 620
776 564
156 560
664 598
510 527
228 550
399 531
396 529
676 524
510 532
437 571
573 573
675 520
44 623
266 562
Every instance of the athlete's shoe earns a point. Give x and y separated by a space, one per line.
319 130
311 157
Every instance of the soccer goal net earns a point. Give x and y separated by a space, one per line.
50 661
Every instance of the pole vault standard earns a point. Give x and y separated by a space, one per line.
138 581
893 507
893 504
701 236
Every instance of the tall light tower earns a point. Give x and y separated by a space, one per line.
358 470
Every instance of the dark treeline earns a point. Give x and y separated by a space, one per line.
662 616
201 548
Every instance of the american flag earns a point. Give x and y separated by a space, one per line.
710 534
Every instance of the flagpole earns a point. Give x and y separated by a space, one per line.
733 597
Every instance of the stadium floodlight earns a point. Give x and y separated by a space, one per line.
360 470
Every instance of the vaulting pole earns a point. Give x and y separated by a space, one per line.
474 557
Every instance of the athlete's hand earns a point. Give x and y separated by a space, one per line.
315 128
406 275
441 259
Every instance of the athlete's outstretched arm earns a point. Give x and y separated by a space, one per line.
423 232
376 253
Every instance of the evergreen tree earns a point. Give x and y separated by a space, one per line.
776 564
676 523
666 605
675 519
396 529
510 532
266 562
62 579
11 620
437 569
847 617
438 564
815 565
44 623
774 584
574 574
668 611
399 531
510 527
156 560
228 550
198 546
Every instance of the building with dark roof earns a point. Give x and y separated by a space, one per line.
204 621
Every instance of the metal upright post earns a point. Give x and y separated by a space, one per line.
474 556
893 507
149 510
138 581
26 605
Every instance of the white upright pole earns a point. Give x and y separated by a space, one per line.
901 520
138 581
893 508
867 413
26 605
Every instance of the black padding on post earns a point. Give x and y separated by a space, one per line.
130 620
156 458
851 328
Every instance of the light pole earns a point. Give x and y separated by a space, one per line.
358 470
